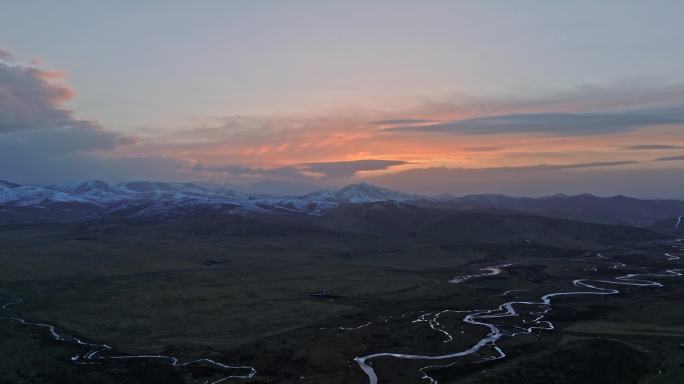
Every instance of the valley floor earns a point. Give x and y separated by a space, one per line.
242 296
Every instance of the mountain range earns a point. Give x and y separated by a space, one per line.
95 199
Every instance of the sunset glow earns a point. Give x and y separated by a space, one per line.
233 102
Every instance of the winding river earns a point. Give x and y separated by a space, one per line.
490 271
536 309
531 318
95 353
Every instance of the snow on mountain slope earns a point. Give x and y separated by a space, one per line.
157 199
7 185
231 194
34 196
92 190
100 191
95 198
357 193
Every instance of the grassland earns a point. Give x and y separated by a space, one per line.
237 289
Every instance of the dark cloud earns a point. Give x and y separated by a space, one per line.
61 140
344 169
560 167
41 140
33 114
596 164
540 180
651 147
31 99
245 172
76 166
562 124
670 158
337 170
401 121
6 55
228 169
630 95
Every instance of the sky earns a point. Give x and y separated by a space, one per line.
515 97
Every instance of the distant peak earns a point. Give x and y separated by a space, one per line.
622 197
9 184
364 186
96 183
586 195
87 186
357 185
364 192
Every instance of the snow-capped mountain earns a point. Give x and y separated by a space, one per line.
92 190
7 185
231 194
20 195
101 192
146 198
357 193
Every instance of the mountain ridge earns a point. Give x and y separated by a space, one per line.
163 199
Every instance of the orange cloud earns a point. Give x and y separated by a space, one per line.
277 141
